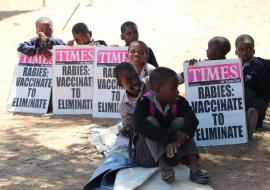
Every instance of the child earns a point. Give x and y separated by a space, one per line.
44 42
137 56
218 47
128 78
83 36
129 33
256 80
165 124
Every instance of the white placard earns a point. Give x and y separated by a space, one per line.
31 85
107 93
214 90
73 79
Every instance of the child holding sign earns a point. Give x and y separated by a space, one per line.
165 125
256 81
83 36
128 78
44 42
129 33
137 56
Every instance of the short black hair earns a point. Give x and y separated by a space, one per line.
244 38
44 19
141 43
122 67
223 44
80 28
127 24
160 76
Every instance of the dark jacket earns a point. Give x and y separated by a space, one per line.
151 58
257 77
163 134
30 47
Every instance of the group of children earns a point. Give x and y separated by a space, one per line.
158 121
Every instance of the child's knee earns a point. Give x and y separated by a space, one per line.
177 123
153 120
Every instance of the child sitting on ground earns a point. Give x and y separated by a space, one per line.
137 56
256 81
165 124
129 33
44 42
83 36
128 78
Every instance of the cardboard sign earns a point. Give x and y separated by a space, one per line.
107 93
214 90
73 79
31 86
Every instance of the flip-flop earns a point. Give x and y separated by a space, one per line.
167 174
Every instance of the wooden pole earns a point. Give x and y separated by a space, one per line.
71 16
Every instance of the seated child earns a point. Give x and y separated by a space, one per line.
218 47
137 56
165 125
44 42
256 81
128 78
83 36
129 33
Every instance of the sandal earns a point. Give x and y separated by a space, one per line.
167 174
199 177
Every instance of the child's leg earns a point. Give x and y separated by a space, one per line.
189 151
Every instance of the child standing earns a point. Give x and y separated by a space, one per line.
83 36
128 78
129 33
44 42
137 56
165 125
256 80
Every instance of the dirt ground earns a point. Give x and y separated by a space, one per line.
53 152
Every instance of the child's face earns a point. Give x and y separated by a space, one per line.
130 81
137 55
244 51
130 34
45 28
82 38
213 52
168 91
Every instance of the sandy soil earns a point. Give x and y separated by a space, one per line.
52 152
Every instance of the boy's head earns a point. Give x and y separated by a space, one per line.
138 53
44 25
164 81
129 32
81 34
244 45
218 47
128 78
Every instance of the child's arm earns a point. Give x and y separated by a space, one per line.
190 120
148 129
29 48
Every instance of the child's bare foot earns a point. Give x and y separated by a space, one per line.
167 172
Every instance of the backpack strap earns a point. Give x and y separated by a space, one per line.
151 105
174 109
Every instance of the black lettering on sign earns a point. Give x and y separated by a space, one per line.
75 70
108 107
29 103
109 84
219 91
217 105
34 72
80 104
108 72
33 82
74 81
215 133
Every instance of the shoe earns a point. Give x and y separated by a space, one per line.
168 175
198 177
252 120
